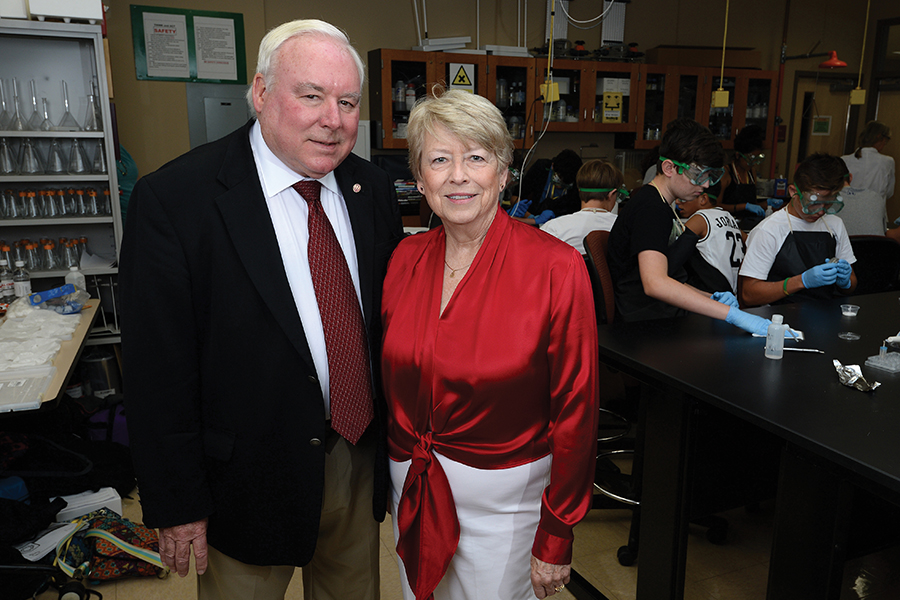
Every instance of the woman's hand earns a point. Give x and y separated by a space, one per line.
547 579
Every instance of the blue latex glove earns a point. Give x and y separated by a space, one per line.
519 209
725 298
775 202
756 209
819 275
543 217
844 270
747 322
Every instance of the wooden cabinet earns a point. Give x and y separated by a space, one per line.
511 86
49 54
581 96
645 97
750 93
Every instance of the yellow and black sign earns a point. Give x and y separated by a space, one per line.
463 77
612 107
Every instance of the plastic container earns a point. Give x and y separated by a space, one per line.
7 285
775 338
21 280
76 278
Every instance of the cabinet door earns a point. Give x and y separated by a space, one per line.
722 119
761 92
511 87
390 72
614 97
575 105
448 76
692 94
657 103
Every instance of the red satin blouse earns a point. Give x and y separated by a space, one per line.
507 375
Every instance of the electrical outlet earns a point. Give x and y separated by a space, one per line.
550 92
720 99
858 96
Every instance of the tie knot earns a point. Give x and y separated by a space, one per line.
309 189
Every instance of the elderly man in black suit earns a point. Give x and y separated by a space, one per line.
250 282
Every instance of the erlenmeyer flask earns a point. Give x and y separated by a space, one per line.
32 206
78 160
98 165
16 123
46 124
68 122
56 162
8 163
90 116
30 162
5 115
49 207
11 205
35 119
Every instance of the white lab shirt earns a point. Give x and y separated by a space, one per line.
874 171
290 215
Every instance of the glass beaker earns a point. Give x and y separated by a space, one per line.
35 119
8 163
78 160
90 117
98 165
30 162
68 122
56 162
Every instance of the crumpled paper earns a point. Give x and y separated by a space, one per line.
851 376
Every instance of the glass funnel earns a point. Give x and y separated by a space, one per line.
78 160
46 124
30 162
68 122
35 118
5 115
90 117
16 123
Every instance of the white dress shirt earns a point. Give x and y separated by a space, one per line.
290 217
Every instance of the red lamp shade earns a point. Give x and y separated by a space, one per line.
833 61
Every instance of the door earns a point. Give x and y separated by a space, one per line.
819 119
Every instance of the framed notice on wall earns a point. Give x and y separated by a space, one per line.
172 44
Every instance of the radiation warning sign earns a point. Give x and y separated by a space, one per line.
462 77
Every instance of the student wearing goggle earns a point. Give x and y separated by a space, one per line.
802 252
739 196
702 176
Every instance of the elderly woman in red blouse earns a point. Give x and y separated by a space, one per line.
490 371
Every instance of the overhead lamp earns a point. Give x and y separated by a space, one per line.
858 95
833 61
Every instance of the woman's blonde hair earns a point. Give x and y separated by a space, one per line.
469 117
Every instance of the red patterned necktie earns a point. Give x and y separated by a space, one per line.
349 377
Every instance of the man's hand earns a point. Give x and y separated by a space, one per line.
175 547
547 579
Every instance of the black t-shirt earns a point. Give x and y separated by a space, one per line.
645 222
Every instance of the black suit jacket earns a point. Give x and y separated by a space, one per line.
223 403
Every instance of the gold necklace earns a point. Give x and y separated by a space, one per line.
453 271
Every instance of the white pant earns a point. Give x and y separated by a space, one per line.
498 511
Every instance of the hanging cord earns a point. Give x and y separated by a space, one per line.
862 54
576 22
724 38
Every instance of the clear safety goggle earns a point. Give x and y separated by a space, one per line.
813 204
623 194
696 174
753 159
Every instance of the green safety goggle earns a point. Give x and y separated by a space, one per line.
814 203
753 159
696 174
622 196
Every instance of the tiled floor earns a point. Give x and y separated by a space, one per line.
734 571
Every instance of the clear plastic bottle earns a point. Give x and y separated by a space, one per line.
775 338
76 278
410 96
399 96
21 280
7 285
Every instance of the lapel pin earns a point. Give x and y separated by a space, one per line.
356 188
